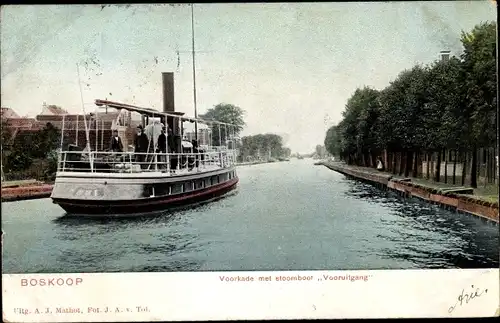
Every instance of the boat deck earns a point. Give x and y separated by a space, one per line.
146 173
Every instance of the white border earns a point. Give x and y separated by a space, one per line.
203 296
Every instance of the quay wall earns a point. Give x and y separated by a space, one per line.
19 193
450 200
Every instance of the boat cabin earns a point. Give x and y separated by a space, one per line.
178 155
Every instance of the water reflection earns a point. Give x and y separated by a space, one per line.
148 239
450 238
290 216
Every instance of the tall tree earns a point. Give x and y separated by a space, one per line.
333 142
227 113
479 63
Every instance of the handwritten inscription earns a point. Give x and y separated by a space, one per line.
465 298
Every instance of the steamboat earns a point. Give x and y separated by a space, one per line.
182 173
171 173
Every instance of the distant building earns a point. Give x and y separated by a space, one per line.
8 113
99 124
445 55
52 110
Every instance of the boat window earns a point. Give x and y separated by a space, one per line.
177 188
215 180
199 184
188 186
223 177
207 182
162 189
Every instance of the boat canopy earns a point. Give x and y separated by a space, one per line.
152 112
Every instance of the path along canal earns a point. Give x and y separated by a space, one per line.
284 216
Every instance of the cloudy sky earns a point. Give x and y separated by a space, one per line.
291 67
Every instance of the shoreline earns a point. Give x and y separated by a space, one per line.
25 190
458 199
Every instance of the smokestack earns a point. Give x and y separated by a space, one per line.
444 55
168 92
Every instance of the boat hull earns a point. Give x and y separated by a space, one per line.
113 208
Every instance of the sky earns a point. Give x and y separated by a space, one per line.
291 66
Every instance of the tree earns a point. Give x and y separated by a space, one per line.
444 121
6 134
349 128
46 141
333 141
479 63
29 146
227 113
366 139
286 152
447 105
263 145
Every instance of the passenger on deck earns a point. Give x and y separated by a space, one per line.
162 148
141 147
116 143
170 139
197 150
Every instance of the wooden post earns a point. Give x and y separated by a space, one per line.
445 153
454 165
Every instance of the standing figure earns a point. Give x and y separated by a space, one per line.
162 148
380 164
141 147
116 143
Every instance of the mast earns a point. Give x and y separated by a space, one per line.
85 119
1 160
194 75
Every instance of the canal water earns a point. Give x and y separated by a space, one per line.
284 216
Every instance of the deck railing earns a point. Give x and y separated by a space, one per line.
130 162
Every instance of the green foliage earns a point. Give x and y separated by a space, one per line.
333 142
50 171
263 144
479 62
17 161
319 151
448 104
402 111
445 121
6 133
227 113
31 146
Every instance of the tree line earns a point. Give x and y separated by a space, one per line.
263 145
430 114
260 145
30 154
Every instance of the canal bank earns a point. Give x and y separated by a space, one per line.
458 199
25 190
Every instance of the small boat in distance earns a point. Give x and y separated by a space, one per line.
104 183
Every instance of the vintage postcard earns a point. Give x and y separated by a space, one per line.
249 161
